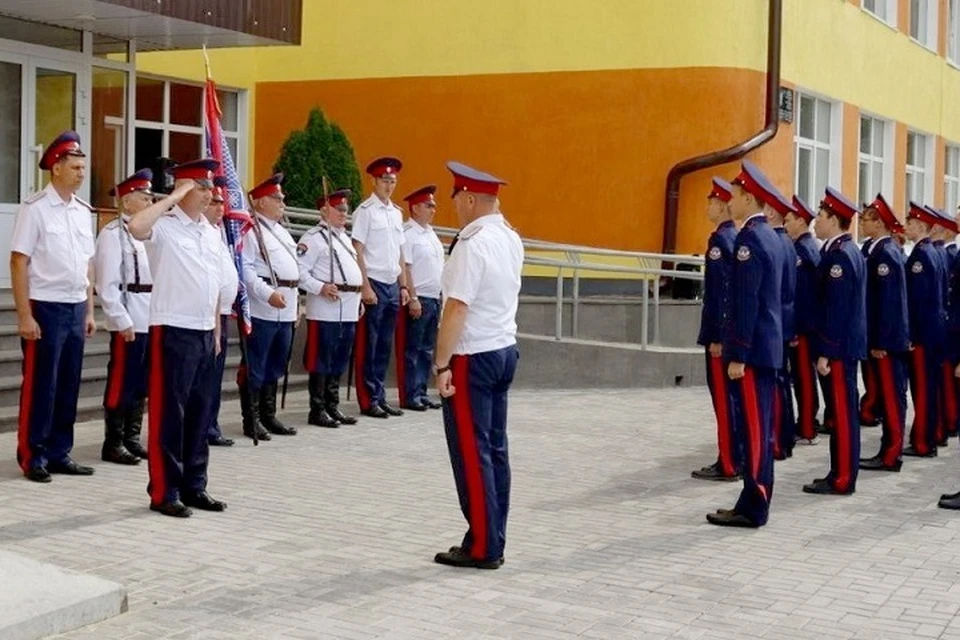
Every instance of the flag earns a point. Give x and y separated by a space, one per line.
236 220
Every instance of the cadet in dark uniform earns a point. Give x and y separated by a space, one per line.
753 341
870 402
927 322
888 334
718 270
51 265
476 360
841 337
803 365
943 233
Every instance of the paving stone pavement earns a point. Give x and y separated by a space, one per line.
331 534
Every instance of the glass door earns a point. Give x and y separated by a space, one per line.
55 106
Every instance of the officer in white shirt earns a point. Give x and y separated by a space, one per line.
475 364
330 275
123 284
378 238
51 255
417 323
272 279
214 215
188 261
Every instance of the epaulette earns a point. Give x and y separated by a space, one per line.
35 197
365 204
397 207
408 225
466 234
313 229
84 203
113 224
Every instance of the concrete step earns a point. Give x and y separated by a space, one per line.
95 357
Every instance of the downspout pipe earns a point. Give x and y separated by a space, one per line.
715 158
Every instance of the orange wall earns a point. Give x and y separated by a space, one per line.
586 153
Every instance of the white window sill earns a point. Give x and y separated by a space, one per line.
931 48
891 25
953 63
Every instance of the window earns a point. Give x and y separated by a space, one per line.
953 32
813 147
919 161
873 175
951 179
923 22
885 10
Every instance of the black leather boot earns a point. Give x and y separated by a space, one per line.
132 426
318 412
331 397
268 412
251 415
113 449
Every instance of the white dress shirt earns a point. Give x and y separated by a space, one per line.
188 261
231 283
423 251
279 247
314 260
121 261
379 227
57 236
483 272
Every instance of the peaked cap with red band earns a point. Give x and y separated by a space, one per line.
920 213
886 214
468 179
421 195
200 171
752 180
838 204
384 166
269 187
944 219
335 199
721 190
803 210
66 144
140 181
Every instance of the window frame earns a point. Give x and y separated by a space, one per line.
890 9
886 159
951 182
932 26
833 147
926 171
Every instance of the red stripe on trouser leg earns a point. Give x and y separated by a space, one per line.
359 358
470 454
808 428
310 349
777 419
721 408
751 412
868 404
158 475
921 403
948 415
24 454
118 357
838 384
400 352
892 420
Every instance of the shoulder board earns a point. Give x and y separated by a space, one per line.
310 231
84 203
35 197
366 203
509 226
408 225
113 224
469 233
397 207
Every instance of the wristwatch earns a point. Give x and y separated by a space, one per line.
437 370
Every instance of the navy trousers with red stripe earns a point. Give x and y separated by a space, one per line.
51 384
415 340
755 399
891 375
475 422
871 406
784 422
729 441
845 437
375 343
268 347
804 372
181 364
925 375
126 371
947 405
327 350
216 381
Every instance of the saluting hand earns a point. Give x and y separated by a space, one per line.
90 325
276 300
183 188
823 366
29 329
445 384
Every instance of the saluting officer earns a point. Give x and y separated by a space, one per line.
888 333
943 234
417 323
123 283
51 255
753 341
188 262
378 238
841 337
927 322
272 277
214 215
803 365
476 360
718 270
330 275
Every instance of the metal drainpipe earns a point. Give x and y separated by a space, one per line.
714 158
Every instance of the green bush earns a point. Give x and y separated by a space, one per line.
319 149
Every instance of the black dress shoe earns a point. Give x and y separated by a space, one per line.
204 502
730 518
869 422
70 468
913 453
945 442
334 412
174 509
322 419
949 502
134 447
119 455
262 434
390 411
950 496
220 441
876 463
375 412
38 474
414 406
824 429
714 473
824 488
459 549
431 404
279 429
456 557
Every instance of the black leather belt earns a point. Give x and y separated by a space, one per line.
292 284
139 288
349 288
